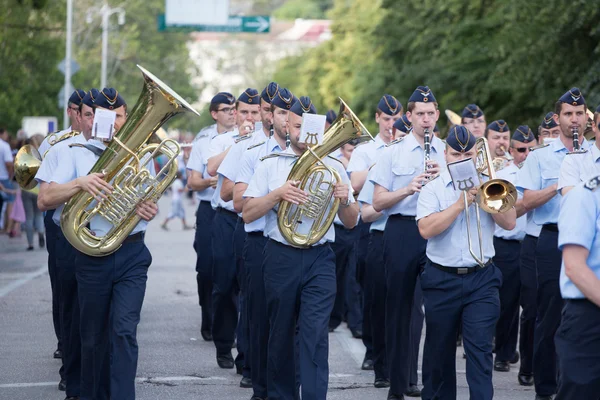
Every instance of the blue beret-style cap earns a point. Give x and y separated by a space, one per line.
498 126
330 116
77 96
460 139
223 98
110 99
422 94
549 122
523 134
250 96
403 124
472 111
573 97
284 99
303 105
90 97
269 92
389 105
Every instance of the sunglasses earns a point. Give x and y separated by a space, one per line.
522 149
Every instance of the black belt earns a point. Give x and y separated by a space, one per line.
256 233
550 227
461 270
403 217
227 212
508 240
136 237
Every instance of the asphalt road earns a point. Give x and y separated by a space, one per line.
174 363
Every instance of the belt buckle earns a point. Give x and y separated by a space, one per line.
462 271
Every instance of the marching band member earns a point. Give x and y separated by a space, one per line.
74 114
576 339
538 181
507 245
456 289
222 111
474 120
498 135
399 176
299 282
256 241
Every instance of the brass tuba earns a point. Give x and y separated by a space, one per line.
123 163
304 225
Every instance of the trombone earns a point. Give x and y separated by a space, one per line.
493 196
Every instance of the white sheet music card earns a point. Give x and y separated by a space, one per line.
104 123
313 129
464 174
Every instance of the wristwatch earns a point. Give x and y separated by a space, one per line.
347 203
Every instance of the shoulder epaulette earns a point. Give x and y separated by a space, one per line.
393 142
539 146
593 183
239 138
204 132
50 134
257 144
273 155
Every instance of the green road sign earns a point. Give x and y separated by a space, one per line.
251 24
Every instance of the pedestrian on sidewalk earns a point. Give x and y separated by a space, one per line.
177 210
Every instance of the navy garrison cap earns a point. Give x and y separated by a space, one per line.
90 97
330 116
573 97
598 109
498 126
223 98
77 96
403 124
269 92
303 105
284 99
523 134
460 139
549 122
250 96
110 99
472 111
389 105
422 94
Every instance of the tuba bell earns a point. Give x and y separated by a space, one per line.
304 225
123 164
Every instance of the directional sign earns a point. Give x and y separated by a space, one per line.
62 66
252 24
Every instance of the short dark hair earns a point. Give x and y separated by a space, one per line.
411 106
214 107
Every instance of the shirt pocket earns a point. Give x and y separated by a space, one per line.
549 176
401 176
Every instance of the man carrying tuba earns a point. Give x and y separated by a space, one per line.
456 288
299 282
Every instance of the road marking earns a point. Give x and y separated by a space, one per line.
20 282
148 379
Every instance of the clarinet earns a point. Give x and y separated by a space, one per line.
427 150
576 146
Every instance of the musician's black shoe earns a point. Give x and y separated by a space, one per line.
356 333
257 398
515 358
72 398
367 365
57 354
413 391
246 383
225 361
206 335
62 385
381 383
501 366
525 379
392 396
538 397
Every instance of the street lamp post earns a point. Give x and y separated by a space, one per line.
68 63
106 12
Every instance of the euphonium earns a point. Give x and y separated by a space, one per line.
123 164
305 225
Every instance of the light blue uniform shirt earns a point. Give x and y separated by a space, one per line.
451 248
578 168
218 145
270 175
366 197
541 170
250 161
365 155
199 158
532 228
510 174
44 146
579 224
399 164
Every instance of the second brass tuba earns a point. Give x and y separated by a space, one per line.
123 164
304 225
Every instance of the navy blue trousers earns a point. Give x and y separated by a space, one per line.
69 313
347 298
578 348
507 329
256 302
450 300
362 248
111 293
404 257
416 328
202 245
528 303
243 329
300 291
549 306
51 232
224 279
